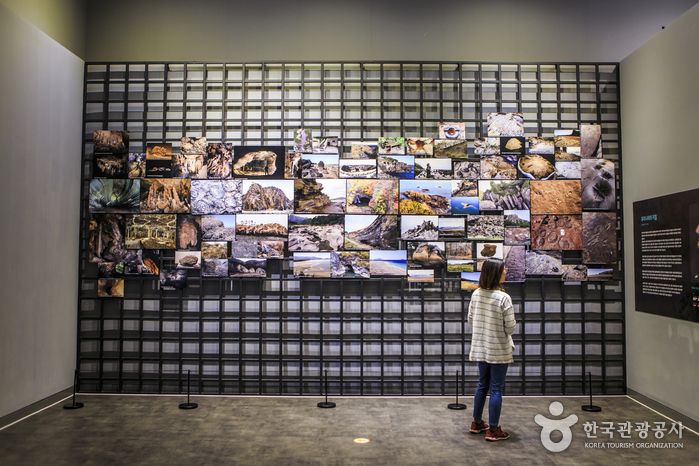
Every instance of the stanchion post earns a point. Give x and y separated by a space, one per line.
591 408
74 405
326 403
188 405
457 405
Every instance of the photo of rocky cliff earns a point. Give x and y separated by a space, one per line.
111 142
486 227
557 232
391 146
309 232
262 196
245 267
514 257
366 232
505 124
110 287
426 253
314 166
543 262
499 167
219 158
599 243
350 264
399 167
598 184
145 231
450 148
168 196
425 197
591 141
110 166
189 166
419 227
364 150
189 232
262 227
217 197
320 196
291 162
159 151
517 227
137 165
433 169
218 228
258 162
357 168
114 196
372 197
419 146
173 279
188 259
504 195
556 197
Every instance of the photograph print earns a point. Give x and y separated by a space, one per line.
372 196
433 169
316 232
425 197
367 232
364 150
110 142
189 232
326 145
312 264
536 167
419 146
485 227
452 130
188 259
388 263
541 146
219 157
320 196
557 232
351 264
218 227
110 166
504 195
268 196
464 197
165 196
261 227
426 253
591 141
598 184
217 197
137 165
259 162
173 279
450 148
467 170
357 168
499 167
159 151
486 146
247 267
419 227
452 227
115 196
517 227
107 238
314 166
391 146
396 167
151 231
303 140
505 124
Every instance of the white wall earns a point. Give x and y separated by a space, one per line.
660 117
40 130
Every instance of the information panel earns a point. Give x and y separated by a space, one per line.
666 255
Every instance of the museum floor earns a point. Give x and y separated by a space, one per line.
151 430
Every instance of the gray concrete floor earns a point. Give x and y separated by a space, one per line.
151 430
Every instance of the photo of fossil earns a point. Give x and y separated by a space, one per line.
260 196
137 165
512 145
106 238
452 131
247 267
536 167
214 250
314 232
568 170
261 227
425 197
505 124
591 141
312 264
574 273
326 145
110 142
419 227
350 264
489 251
110 166
504 195
557 232
487 146
450 148
189 232
388 263
188 259
469 280
420 276
110 287
320 196
364 150
151 231
459 250
158 168
433 169
366 232
159 151
514 257
216 197
214 268
567 154
539 262
452 227
467 170
541 146
499 167
485 227
291 165
517 227
401 167
556 197
219 157
598 184
426 254
193 145
372 197
167 196
319 166
356 168
600 275
420 146
391 146
218 228
259 162
115 196
566 138
173 279
599 242
303 140
189 166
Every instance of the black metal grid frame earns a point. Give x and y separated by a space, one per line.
278 334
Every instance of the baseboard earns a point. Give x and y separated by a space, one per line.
34 407
661 408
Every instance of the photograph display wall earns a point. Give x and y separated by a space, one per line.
199 203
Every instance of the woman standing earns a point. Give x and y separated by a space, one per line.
492 321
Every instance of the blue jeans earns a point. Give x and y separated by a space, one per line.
491 376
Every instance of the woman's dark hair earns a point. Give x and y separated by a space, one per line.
490 274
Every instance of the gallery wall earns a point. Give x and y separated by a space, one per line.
659 102
41 98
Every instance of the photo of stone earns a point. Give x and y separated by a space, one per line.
489 251
505 124
388 263
151 231
487 146
419 227
462 203
133 265
504 195
189 166
214 268
539 262
260 196
591 141
158 168
110 287
536 167
600 275
391 146
110 166
598 184
452 227
193 145
372 197
159 151
303 140
425 197
111 142
450 148
326 145
557 232
452 131
426 254
219 157
469 280
512 145
350 264
188 259
599 242
556 197
517 227
110 269
107 238
567 154
214 250
259 249
420 276
291 165
271 249
365 232
173 279
568 170
320 196
319 166
420 146
514 258
467 170
314 232
312 264
566 138
541 146
499 167
137 165
167 196
465 188
364 150
247 267
574 273
261 227
433 169
459 250
259 162
218 228
355 168
189 232
142 262
115 196
400 167
216 197
485 227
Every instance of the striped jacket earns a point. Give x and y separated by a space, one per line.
492 321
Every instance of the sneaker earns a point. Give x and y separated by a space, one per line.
478 428
497 434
